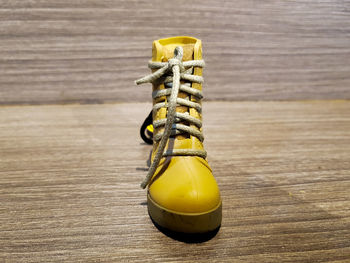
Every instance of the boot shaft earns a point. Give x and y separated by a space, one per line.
162 51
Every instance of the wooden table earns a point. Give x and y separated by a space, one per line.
70 174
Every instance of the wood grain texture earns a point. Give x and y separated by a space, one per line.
69 184
92 51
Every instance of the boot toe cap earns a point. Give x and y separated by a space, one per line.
186 186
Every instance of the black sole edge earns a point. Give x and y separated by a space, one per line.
187 237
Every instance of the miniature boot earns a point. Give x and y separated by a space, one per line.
183 195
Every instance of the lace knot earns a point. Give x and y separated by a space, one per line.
173 62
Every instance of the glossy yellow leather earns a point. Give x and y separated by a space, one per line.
182 184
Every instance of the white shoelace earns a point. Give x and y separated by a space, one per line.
180 71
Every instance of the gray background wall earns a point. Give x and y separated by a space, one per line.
91 51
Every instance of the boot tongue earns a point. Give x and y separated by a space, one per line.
168 53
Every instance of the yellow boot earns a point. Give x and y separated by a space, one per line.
183 195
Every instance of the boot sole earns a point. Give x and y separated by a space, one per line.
191 223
